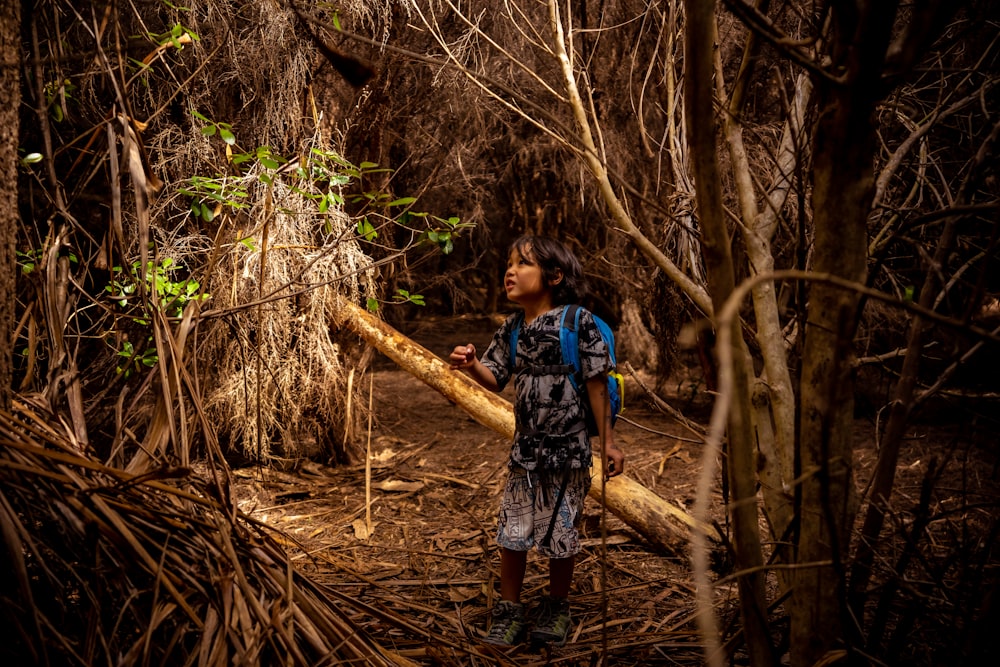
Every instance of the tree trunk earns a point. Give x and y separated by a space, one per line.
773 395
700 121
651 516
10 106
842 195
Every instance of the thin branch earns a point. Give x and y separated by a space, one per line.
795 50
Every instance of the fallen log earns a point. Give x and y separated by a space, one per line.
649 514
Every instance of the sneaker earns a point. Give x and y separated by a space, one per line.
553 622
507 628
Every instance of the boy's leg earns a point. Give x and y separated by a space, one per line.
553 621
512 566
514 536
560 576
507 623
514 532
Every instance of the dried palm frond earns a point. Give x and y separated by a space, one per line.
105 567
275 383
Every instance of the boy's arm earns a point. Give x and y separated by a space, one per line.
600 403
464 358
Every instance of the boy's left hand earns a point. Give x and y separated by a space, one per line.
614 461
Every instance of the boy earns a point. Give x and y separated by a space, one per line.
550 460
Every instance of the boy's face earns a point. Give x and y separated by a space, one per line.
523 281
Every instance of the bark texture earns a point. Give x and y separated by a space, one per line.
843 178
10 104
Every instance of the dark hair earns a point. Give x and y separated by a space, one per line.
554 258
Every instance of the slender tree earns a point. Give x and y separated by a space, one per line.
10 108
716 246
842 166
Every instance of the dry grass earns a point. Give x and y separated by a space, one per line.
278 370
104 567
266 367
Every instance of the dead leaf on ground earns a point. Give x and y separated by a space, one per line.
361 529
398 485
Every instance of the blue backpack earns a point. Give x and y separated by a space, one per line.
569 341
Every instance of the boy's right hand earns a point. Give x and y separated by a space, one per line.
463 356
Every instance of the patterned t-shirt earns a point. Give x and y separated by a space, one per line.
549 412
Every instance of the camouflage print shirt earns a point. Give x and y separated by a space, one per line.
549 412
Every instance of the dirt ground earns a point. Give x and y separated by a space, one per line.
413 537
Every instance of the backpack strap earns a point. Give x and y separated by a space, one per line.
515 331
562 369
569 344
569 341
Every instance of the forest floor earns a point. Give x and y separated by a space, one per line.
414 542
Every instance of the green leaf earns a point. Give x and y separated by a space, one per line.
372 305
227 136
366 230
269 163
403 296
402 201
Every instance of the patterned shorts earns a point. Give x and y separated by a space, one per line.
527 506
